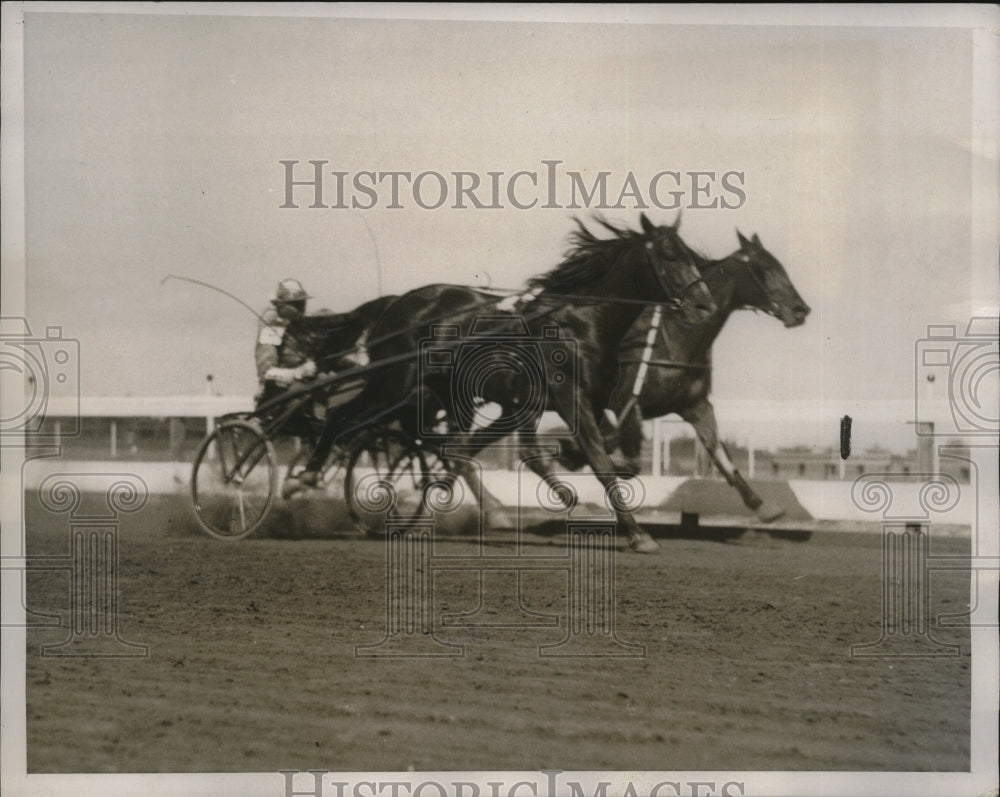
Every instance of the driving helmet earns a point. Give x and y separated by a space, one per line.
290 290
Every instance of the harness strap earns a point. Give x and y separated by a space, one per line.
646 361
647 352
640 375
632 401
672 364
514 303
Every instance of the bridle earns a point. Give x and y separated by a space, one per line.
749 262
655 328
672 302
646 358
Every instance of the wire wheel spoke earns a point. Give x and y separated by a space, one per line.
234 480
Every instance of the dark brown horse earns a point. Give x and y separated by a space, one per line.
559 349
677 374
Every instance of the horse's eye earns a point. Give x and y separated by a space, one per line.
649 245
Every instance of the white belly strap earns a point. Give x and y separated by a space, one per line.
647 352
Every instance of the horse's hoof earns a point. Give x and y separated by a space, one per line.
768 513
644 544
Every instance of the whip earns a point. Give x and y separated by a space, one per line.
214 288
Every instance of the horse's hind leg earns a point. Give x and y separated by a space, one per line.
459 450
702 418
539 460
366 407
542 463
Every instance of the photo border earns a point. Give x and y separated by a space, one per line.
986 87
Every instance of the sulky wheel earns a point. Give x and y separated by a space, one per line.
386 475
234 481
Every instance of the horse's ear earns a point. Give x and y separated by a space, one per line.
755 239
647 225
677 221
744 243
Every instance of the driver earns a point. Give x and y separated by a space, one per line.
281 361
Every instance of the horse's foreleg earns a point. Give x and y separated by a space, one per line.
592 442
630 442
702 418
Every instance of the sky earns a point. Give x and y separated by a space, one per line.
153 145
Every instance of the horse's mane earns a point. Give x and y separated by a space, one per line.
588 260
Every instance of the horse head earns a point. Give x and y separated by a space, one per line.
652 265
770 288
336 340
676 269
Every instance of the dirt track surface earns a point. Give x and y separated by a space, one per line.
252 665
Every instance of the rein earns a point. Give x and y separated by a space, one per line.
529 298
672 364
